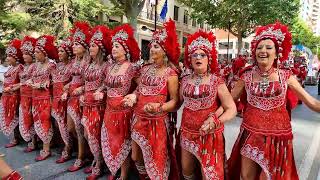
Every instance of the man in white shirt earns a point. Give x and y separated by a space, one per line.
3 68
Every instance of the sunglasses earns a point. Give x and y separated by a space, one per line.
198 56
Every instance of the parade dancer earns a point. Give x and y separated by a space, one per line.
264 147
45 53
10 98
93 108
26 126
156 95
201 133
60 77
120 80
81 35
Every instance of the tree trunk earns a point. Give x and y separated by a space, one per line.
239 36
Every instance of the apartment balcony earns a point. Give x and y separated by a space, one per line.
150 17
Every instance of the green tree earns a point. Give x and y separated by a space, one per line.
242 16
56 17
131 9
302 34
12 23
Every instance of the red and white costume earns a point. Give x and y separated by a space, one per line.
10 100
198 106
266 133
151 132
115 133
82 35
60 77
25 110
41 98
93 110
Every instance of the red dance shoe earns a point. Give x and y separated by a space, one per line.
13 176
11 144
88 170
64 157
78 164
95 173
43 155
31 147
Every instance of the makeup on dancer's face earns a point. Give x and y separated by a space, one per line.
38 54
156 51
11 60
62 54
78 49
94 49
199 59
27 58
117 50
266 52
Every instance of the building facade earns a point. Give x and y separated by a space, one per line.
310 13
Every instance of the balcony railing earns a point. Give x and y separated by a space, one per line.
150 16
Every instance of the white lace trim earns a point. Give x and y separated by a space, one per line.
63 129
76 120
7 130
44 136
27 134
113 162
257 156
151 168
193 148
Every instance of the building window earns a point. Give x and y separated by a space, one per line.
184 41
246 45
224 45
145 49
176 13
194 22
185 17
201 25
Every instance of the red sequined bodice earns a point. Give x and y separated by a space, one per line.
11 77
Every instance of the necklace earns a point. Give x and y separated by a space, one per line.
117 66
265 78
153 70
197 83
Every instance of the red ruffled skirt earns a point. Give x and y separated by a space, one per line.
74 110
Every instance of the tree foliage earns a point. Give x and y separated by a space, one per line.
56 17
302 34
131 9
242 15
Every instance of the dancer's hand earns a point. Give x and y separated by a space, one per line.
129 100
77 91
64 96
207 127
152 108
98 95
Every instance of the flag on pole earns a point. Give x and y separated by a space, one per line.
164 10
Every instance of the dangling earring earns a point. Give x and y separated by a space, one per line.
165 60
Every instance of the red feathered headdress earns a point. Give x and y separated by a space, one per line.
28 45
81 33
206 42
45 44
124 35
13 50
279 34
168 40
102 37
67 44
